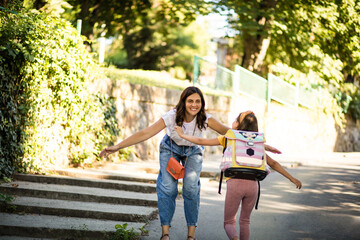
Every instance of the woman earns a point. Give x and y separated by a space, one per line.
189 114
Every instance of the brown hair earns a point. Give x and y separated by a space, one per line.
247 122
180 108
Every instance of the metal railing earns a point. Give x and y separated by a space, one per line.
243 81
212 75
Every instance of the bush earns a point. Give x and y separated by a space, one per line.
48 114
348 97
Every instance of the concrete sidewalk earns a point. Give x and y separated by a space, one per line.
211 210
348 160
211 163
145 171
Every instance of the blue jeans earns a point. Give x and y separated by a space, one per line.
167 186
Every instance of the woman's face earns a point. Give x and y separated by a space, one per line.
193 104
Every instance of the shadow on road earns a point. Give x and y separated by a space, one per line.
327 207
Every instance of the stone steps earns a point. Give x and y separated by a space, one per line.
78 193
87 206
89 182
22 238
130 174
83 209
55 227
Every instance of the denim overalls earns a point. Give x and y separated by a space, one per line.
167 186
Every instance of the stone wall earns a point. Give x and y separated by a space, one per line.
295 130
348 139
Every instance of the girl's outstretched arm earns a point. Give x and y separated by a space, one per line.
138 137
197 140
277 167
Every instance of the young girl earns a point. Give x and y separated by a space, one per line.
240 191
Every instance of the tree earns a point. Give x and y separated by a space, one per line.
317 37
300 33
340 37
152 34
144 28
318 30
101 15
252 20
50 7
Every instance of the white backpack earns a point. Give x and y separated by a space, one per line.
244 157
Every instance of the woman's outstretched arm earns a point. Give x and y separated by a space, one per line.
217 126
138 137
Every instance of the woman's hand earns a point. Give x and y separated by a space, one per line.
107 151
179 131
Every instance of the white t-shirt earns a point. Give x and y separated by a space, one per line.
188 128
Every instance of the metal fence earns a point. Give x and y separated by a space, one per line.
243 81
212 75
250 84
310 97
282 92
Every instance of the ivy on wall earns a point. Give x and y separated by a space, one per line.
48 116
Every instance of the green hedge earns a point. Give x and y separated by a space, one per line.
48 114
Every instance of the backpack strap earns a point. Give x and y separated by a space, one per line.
257 201
225 145
220 182
221 173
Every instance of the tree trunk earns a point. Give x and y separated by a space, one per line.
87 28
255 48
38 4
256 45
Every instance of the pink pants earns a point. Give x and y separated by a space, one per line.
244 192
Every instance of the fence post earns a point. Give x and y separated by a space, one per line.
297 96
236 79
269 90
101 49
196 71
78 26
102 44
319 97
218 78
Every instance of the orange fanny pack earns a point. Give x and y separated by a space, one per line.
175 168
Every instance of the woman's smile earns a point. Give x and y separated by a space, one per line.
193 105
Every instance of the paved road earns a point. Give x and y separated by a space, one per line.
328 207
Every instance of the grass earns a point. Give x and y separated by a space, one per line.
146 77
157 79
